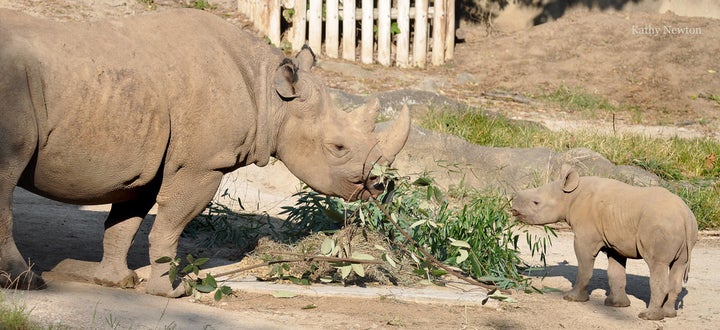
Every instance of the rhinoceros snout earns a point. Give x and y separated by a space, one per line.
517 214
375 183
372 186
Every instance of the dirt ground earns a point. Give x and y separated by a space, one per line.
664 82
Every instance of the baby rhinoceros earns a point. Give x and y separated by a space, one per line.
623 221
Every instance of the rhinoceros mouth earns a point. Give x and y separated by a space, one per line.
517 214
365 188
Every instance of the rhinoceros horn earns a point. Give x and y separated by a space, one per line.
365 116
392 139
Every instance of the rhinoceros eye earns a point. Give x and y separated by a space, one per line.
337 150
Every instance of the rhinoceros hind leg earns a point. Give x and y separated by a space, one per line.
677 271
658 290
121 227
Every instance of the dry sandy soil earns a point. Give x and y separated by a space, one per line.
661 83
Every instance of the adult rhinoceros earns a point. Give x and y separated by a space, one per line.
155 109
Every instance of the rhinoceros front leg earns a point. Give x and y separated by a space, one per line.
585 254
18 139
14 272
618 280
121 227
181 198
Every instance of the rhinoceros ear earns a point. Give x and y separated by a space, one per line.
285 79
305 58
571 178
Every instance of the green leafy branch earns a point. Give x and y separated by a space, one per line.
197 285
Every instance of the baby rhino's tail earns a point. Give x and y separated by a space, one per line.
691 233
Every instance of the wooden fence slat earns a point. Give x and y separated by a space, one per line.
366 41
420 37
403 38
332 29
383 52
299 25
450 31
438 33
315 25
317 22
273 15
348 30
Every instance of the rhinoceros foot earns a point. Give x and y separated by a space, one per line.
161 286
653 314
105 274
622 301
577 296
122 279
22 280
670 312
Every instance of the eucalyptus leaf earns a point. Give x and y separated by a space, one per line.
327 246
163 260
204 288
417 223
201 261
362 256
358 269
389 260
345 271
284 294
463 255
187 269
210 280
459 243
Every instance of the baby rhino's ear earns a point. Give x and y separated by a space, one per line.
571 178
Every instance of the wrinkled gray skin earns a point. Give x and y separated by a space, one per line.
156 108
624 222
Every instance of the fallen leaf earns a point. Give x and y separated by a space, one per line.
284 294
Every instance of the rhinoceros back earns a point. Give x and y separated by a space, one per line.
111 98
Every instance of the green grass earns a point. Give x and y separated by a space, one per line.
14 316
675 160
577 100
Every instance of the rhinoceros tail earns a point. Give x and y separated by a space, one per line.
691 232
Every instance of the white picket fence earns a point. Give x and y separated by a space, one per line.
426 25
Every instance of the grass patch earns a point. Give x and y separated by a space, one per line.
704 200
676 160
577 100
14 316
